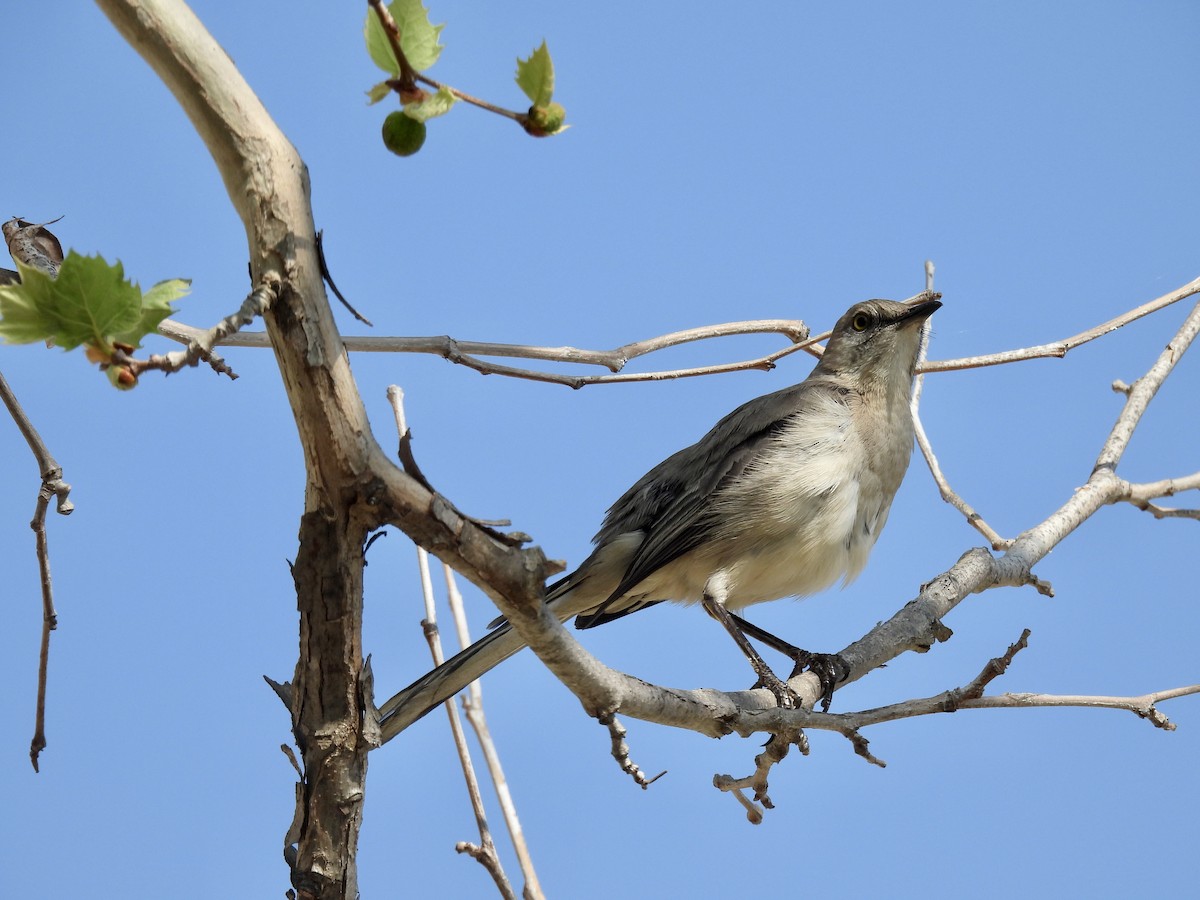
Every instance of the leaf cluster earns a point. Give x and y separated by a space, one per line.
90 303
414 47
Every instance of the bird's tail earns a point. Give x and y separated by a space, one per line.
442 683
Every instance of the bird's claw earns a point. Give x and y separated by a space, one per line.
830 668
784 695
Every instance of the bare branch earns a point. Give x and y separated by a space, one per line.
948 494
971 696
1143 707
473 708
1142 391
1140 496
485 851
49 623
775 751
486 857
1059 349
995 668
469 353
915 627
974 519
52 485
48 466
201 343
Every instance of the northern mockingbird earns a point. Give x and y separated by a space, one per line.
784 496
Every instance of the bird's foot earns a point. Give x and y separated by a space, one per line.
784 695
830 668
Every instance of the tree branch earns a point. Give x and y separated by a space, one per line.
200 345
485 851
52 485
353 487
604 691
469 353
1059 349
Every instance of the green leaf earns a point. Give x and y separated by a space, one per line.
433 105
89 303
93 301
377 93
535 76
27 309
156 306
418 37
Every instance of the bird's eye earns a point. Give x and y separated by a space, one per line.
860 322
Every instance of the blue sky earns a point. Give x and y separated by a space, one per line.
724 163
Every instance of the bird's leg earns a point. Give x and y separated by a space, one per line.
784 695
830 668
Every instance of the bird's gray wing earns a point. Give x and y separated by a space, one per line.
671 505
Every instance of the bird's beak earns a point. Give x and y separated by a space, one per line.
921 309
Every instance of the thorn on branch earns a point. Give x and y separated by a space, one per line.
371 540
283 690
291 755
329 280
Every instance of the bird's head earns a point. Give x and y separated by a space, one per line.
877 341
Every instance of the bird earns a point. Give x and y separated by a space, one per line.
783 497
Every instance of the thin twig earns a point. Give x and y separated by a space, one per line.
407 73
485 851
52 485
201 343
474 101
1142 391
620 751
970 696
467 352
49 623
473 708
1140 496
949 495
994 668
1059 349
